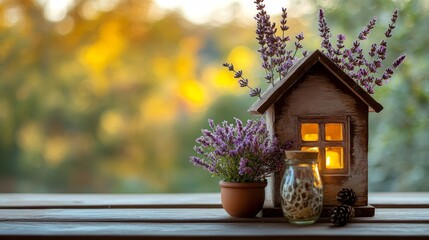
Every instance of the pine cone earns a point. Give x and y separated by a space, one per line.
347 196
342 214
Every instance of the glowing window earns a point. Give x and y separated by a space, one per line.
310 132
329 137
310 149
334 132
334 158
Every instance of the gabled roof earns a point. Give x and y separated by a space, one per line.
271 95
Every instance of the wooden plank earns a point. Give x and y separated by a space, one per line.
192 216
121 215
396 215
185 216
31 230
185 200
399 200
181 200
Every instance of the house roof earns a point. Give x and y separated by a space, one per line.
272 94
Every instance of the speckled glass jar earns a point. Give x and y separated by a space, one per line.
301 188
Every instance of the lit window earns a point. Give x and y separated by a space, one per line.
332 145
310 132
334 158
333 131
310 149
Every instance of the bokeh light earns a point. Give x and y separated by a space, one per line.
109 95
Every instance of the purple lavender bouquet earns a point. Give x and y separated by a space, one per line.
240 153
367 70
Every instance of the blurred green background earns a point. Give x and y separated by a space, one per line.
107 96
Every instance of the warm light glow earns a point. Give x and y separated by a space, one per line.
242 56
310 149
194 94
310 137
158 109
99 55
334 158
334 131
310 132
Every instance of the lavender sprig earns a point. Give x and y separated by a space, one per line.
243 82
392 25
325 33
362 69
276 59
240 153
367 29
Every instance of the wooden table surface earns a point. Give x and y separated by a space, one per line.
192 216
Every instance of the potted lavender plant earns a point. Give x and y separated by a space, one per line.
242 156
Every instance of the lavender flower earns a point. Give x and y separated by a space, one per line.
340 40
362 69
365 31
371 52
238 74
398 61
325 33
392 26
199 162
298 45
276 59
243 169
255 92
283 21
304 53
243 82
240 153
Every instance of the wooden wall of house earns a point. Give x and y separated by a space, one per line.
271 191
318 93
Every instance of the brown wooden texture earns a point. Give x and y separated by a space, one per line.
118 230
270 194
180 215
362 211
195 200
315 88
317 95
210 222
200 200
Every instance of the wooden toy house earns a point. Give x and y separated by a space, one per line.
320 108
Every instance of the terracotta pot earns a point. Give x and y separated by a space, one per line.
242 199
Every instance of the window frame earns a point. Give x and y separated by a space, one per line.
321 143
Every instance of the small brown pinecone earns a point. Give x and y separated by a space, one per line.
342 214
347 196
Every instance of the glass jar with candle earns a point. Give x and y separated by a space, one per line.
301 188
